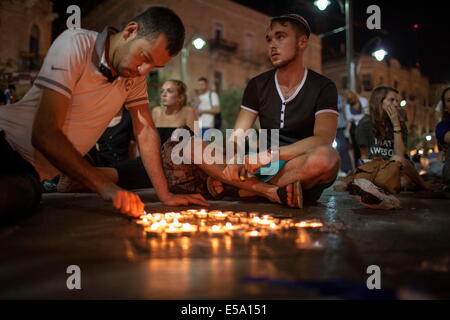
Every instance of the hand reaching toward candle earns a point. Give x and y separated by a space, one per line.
184 200
126 202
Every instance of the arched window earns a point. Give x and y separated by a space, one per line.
34 48
34 40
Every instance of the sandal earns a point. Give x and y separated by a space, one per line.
298 195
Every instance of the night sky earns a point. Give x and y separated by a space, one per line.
429 45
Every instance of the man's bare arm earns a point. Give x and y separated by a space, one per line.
148 140
244 121
150 150
324 134
49 139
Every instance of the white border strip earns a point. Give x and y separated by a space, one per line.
248 109
327 111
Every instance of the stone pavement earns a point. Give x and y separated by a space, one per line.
411 246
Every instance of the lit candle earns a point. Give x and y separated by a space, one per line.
202 214
216 231
255 234
221 216
274 227
266 221
286 223
153 230
176 223
309 224
171 231
143 222
187 229
255 221
157 216
234 219
253 214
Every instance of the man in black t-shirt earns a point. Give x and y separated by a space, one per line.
299 102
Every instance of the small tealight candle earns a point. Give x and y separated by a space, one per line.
202 214
157 216
234 219
216 231
253 214
153 230
266 221
220 216
255 234
255 221
187 229
273 226
144 222
309 224
286 223
176 223
171 231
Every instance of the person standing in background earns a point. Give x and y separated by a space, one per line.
341 139
208 105
355 110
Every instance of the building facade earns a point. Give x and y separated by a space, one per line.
25 37
235 35
413 87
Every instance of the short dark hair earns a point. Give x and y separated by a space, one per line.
299 23
161 20
203 79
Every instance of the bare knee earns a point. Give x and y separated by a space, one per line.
323 160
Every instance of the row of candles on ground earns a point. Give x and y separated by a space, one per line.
217 223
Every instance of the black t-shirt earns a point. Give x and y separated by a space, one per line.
377 148
294 117
113 145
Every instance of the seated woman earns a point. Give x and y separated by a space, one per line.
443 137
383 134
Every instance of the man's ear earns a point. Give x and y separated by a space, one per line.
303 42
130 30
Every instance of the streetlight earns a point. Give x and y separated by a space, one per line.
198 43
380 54
322 4
347 9
403 103
429 138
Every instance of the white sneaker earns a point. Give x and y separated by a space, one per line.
371 196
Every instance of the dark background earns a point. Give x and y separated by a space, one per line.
427 47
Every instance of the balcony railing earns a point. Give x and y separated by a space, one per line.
223 45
